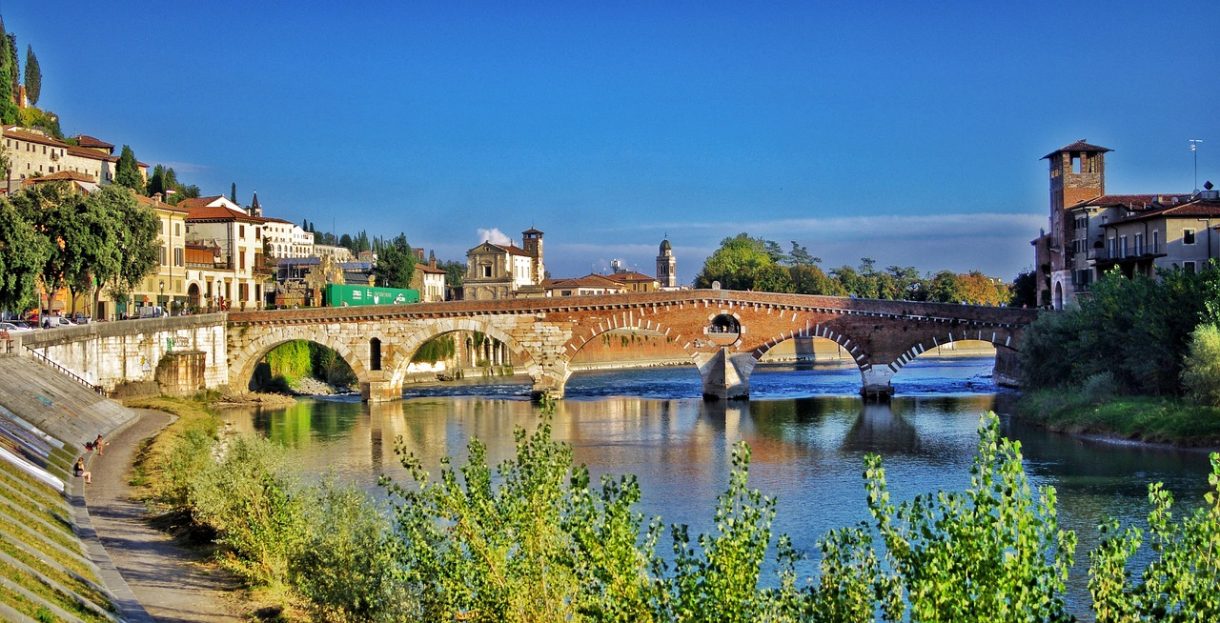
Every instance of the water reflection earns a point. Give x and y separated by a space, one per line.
807 450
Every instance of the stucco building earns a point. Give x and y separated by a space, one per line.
34 153
216 221
500 271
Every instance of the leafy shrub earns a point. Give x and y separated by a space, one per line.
345 566
1098 388
991 553
1182 583
1201 368
247 498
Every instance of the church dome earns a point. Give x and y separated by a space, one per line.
665 246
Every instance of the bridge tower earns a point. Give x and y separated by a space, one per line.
667 266
1077 173
531 241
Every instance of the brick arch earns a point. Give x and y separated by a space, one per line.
587 333
401 353
816 330
243 361
1001 339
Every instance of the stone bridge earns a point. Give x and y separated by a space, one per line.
724 333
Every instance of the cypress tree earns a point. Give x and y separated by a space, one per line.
8 104
14 72
127 173
33 76
233 192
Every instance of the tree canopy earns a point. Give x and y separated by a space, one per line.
744 262
23 252
127 172
395 263
33 76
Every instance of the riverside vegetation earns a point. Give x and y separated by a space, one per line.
1138 358
535 540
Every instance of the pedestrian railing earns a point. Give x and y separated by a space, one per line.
41 357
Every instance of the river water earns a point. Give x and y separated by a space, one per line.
807 429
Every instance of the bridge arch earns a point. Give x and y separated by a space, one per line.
434 328
815 331
244 360
585 334
1002 340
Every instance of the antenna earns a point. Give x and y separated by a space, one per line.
1194 150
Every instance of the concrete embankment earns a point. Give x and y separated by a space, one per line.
54 566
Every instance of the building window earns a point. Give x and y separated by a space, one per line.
177 230
1189 267
1139 244
486 271
1188 236
1156 241
241 258
241 231
178 257
243 291
164 261
1113 248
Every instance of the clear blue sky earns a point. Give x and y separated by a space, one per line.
911 135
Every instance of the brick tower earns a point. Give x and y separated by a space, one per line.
1077 173
531 242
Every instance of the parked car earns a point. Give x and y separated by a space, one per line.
13 327
51 322
80 318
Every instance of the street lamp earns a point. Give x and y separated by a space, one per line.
161 297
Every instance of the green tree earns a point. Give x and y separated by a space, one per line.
79 236
395 263
1201 370
945 287
233 192
127 171
992 553
14 76
800 256
1025 290
135 241
33 76
1179 585
23 253
8 104
745 263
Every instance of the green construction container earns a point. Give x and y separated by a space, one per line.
355 296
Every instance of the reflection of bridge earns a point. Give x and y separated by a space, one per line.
724 333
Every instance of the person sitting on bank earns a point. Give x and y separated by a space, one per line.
99 444
81 472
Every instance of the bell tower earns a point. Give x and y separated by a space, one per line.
667 266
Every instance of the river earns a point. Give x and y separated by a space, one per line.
807 429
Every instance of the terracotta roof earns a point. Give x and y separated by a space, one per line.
1199 208
85 152
1131 202
159 205
64 176
1079 145
424 268
218 213
588 281
628 276
84 140
198 202
33 137
508 248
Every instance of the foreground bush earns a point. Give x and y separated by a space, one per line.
1181 584
533 540
1201 369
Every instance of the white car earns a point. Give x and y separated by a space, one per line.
12 328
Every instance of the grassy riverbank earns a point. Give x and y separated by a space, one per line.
1156 419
